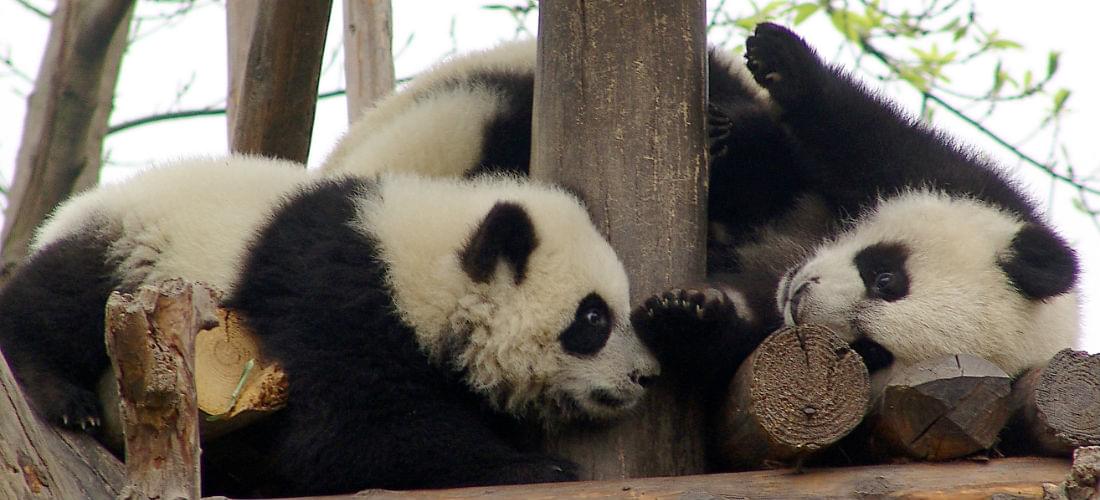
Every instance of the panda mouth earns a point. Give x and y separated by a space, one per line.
606 398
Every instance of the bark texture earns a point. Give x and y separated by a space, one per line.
368 52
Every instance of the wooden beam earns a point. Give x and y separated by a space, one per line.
964 480
271 113
368 53
619 118
66 116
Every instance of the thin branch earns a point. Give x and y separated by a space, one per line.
34 9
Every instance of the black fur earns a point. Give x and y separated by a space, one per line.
1041 264
53 302
590 329
506 234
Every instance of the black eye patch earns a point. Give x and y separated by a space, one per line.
590 329
882 268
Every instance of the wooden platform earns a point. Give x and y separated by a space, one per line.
1001 478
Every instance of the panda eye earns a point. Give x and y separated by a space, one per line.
889 286
595 317
883 280
591 327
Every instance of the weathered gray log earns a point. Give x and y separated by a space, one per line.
801 390
66 116
151 339
38 460
941 409
368 52
619 117
1057 406
271 113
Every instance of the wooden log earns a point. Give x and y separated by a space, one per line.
368 52
66 116
150 338
1057 406
940 409
272 111
40 461
800 391
629 77
236 384
964 480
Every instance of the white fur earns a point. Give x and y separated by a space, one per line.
959 301
512 352
440 104
162 220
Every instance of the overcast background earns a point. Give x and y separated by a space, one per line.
181 64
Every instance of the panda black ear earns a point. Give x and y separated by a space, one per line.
1040 263
506 234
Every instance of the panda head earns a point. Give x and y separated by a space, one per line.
927 274
510 285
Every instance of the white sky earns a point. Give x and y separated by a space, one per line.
190 54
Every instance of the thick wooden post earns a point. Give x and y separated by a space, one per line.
619 101
272 103
66 116
368 52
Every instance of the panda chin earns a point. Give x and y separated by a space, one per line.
599 404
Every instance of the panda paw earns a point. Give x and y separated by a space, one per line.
76 409
681 326
719 129
781 62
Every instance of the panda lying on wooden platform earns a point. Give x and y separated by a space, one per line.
827 205
413 317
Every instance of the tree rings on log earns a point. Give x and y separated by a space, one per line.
1057 406
236 385
802 390
943 408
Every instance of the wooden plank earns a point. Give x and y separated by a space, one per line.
368 53
273 108
628 79
66 116
963 480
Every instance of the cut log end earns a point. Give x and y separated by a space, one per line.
802 390
1057 406
942 409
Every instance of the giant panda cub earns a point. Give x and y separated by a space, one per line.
415 318
827 204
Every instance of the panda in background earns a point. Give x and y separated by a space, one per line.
415 318
827 205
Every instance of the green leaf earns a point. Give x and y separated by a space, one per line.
959 33
1060 98
1027 79
849 24
1004 44
804 11
1052 63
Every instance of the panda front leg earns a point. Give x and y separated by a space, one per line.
698 334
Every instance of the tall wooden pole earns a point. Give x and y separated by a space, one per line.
368 52
619 117
273 89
